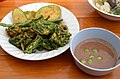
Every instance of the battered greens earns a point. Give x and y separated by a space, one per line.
37 34
30 14
53 11
18 15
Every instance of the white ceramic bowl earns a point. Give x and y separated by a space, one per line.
103 13
99 33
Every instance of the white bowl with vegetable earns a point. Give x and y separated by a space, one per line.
92 55
109 9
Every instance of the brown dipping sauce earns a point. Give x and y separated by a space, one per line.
96 53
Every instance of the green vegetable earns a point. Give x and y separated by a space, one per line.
91 57
83 61
5 25
33 45
30 14
53 11
86 50
48 45
37 33
115 10
18 15
50 35
89 61
60 36
95 50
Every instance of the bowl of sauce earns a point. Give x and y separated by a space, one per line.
96 51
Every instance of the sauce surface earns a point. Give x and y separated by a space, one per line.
96 53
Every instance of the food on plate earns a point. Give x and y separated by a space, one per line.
110 6
96 53
30 14
37 33
18 16
53 11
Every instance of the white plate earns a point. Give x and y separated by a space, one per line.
68 18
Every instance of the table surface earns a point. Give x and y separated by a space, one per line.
62 66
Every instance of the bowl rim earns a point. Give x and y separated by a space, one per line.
95 69
112 15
